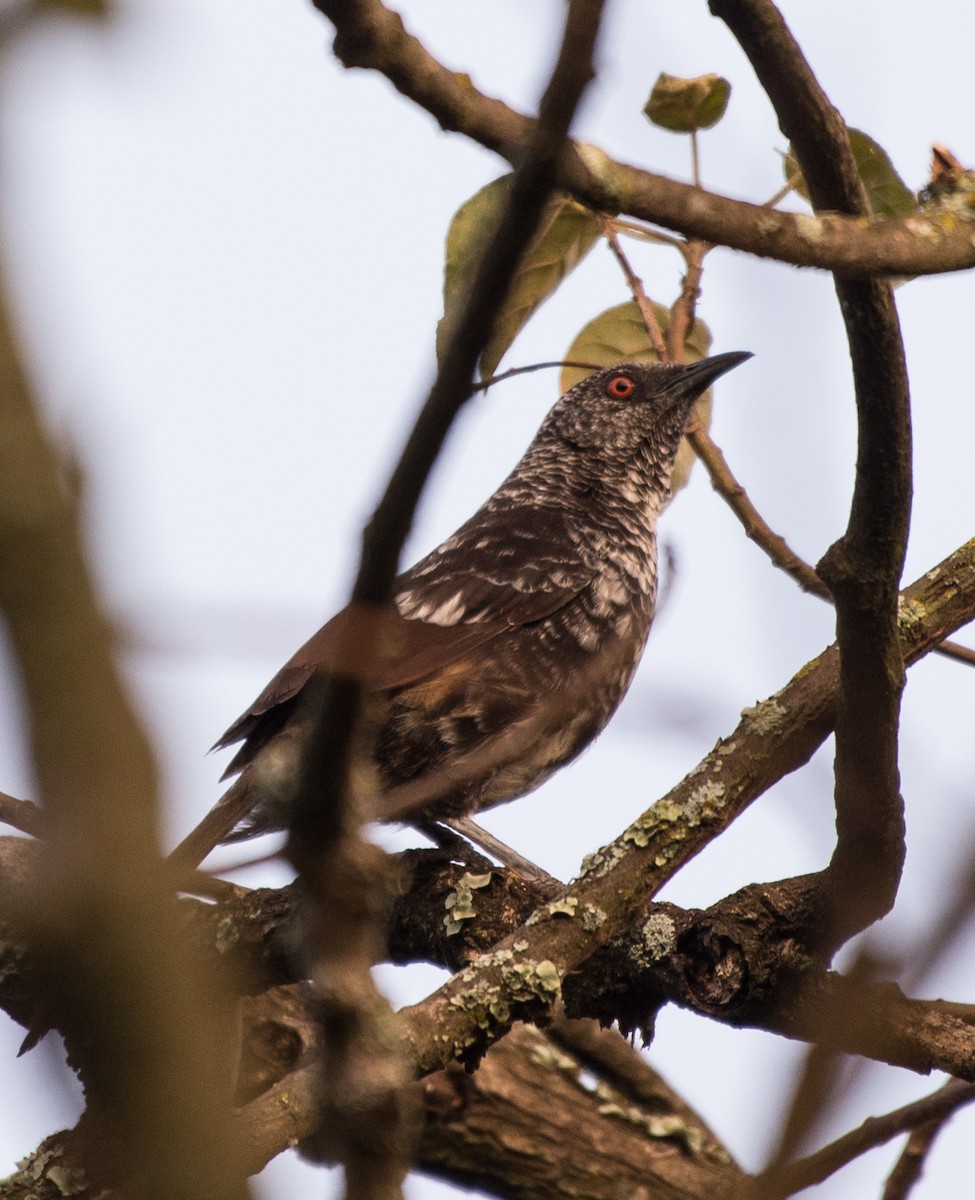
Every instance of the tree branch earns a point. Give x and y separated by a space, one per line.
21 814
370 36
932 1110
863 568
742 962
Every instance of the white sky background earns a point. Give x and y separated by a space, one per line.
227 260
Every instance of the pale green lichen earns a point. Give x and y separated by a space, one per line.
545 1054
809 229
646 827
565 907
768 225
704 801
69 1181
603 861
227 936
656 1125
497 958
911 616
549 978
921 229
591 861
766 716
601 167
658 935
592 918
491 1003
460 902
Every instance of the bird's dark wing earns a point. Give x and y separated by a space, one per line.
486 579
515 566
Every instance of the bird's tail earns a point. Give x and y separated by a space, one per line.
230 810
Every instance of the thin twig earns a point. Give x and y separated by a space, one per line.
816 1086
695 160
637 230
909 1167
684 308
754 524
722 479
958 652
654 331
788 187
512 372
875 1131
21 814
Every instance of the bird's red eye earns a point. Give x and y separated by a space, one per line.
620 387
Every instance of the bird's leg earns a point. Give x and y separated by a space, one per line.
503 853
458 848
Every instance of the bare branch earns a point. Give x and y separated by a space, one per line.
932 1111
369 35
642 300
863 568
21 814
908 1168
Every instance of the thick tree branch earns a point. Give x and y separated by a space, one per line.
527 1124
862 569
369 35
742 962
514 1126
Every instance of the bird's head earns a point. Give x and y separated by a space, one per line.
632 407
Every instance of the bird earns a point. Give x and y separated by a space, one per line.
506 649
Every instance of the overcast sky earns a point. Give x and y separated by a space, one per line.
226 254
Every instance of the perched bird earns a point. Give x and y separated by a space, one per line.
508 647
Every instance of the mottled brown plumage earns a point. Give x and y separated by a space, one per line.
511 644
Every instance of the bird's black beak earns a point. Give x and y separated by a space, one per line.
696 378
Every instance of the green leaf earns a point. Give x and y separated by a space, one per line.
887 193
567 233
686 105
619 335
